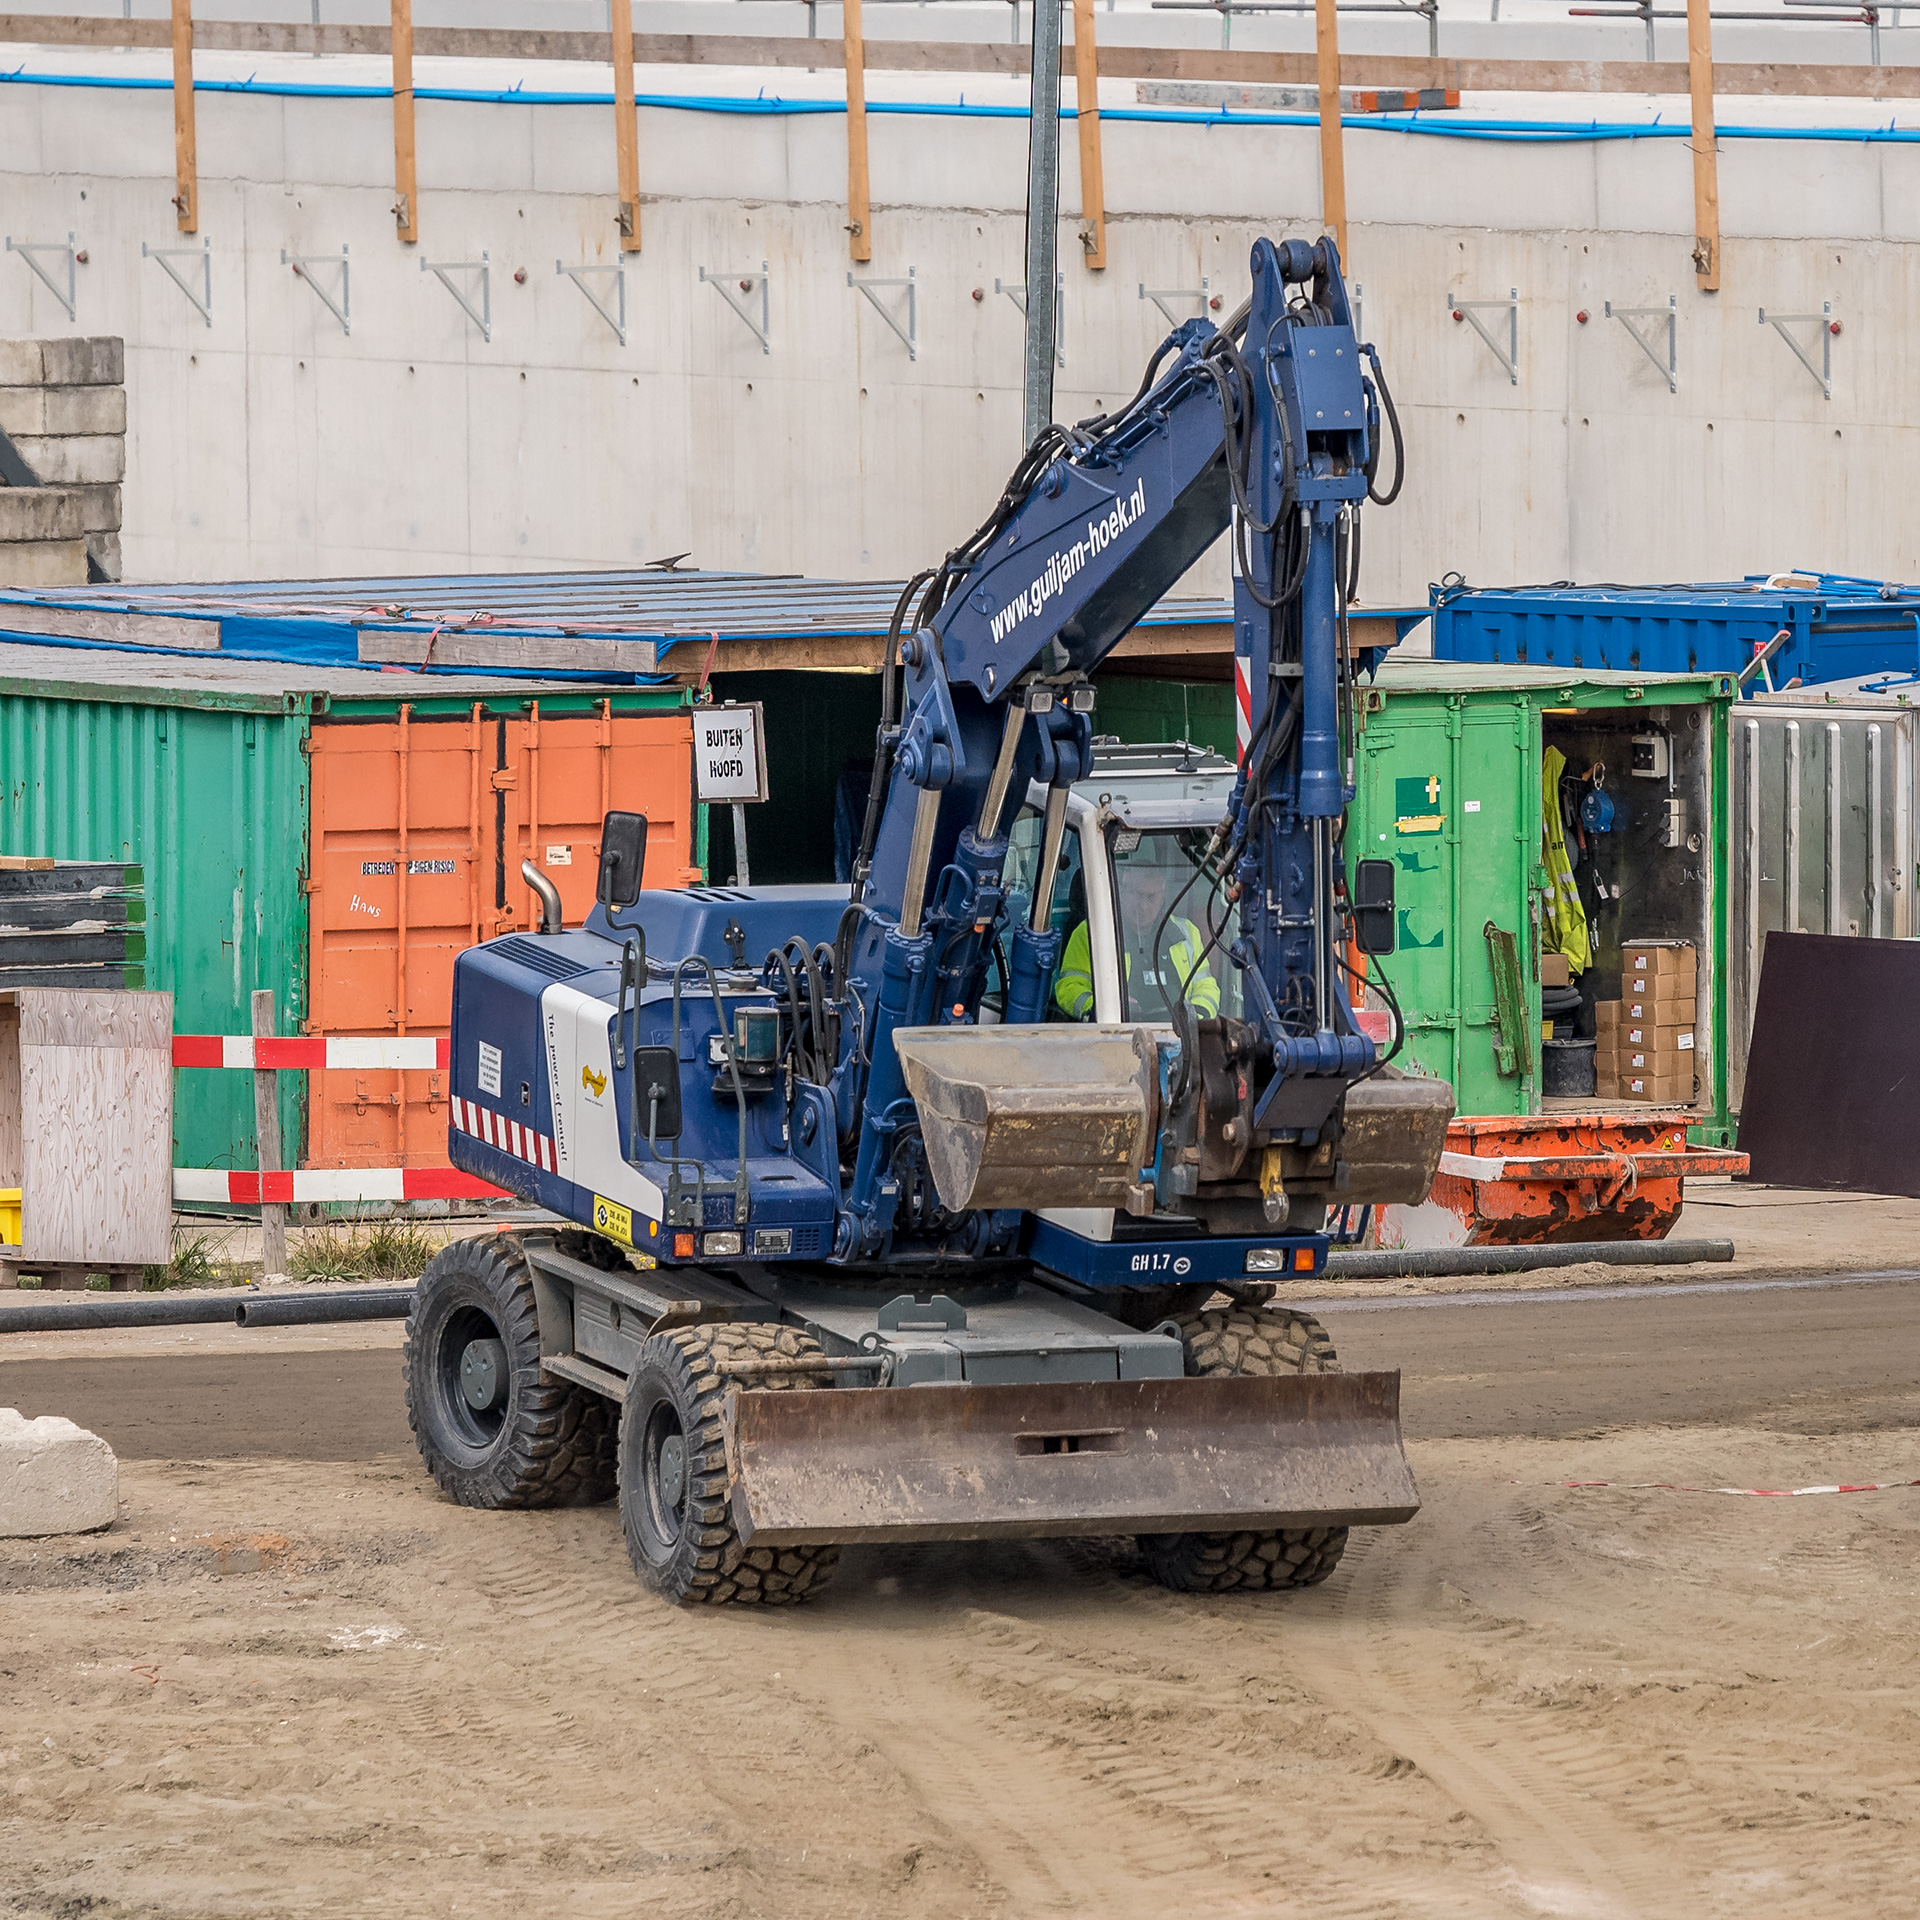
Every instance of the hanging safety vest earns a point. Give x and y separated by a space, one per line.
1565 930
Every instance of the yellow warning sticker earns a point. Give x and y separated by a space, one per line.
612 1219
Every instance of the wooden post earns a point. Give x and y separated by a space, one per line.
266 1126
626 126
1706 164
859 211
186 165
1333 167
1086 100
406 202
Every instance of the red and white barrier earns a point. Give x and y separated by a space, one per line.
220 1187
321 1051
1745 1493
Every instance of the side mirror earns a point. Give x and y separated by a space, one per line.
623 854
1373 929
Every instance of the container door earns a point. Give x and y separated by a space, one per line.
419 830
569 771
1447 792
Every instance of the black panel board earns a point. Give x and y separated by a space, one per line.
1833 1071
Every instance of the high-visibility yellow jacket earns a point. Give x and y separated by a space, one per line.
1565 930
1073 984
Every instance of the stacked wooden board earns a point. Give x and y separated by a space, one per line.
72 923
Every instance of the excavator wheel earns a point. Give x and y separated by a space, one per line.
493 1429
1264 1340
674 1485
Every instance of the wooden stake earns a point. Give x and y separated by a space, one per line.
1333 166
626 126
186 165
406 201
1706 163
859 211
1086 98
266 1126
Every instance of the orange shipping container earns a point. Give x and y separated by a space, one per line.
419 829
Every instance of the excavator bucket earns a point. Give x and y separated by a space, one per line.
1033 1116
1092 1457
1393 1132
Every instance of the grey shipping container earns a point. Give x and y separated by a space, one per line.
1823 830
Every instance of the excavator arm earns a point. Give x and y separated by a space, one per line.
1268 426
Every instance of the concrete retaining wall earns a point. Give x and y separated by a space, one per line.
63 407
274 443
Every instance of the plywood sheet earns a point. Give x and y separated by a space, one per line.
55 1017
1834 1065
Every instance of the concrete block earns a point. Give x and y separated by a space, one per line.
98 361
99 507
84 410
43 563
103 549
54 1478
79 459
40 513
21 363
23 410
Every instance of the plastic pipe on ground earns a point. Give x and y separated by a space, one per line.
164 1310
1435 1262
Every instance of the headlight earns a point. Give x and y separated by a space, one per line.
721 1246
1269 1259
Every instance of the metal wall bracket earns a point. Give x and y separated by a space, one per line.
1509 355
1670 313
444 270
31 250
303 265
910 333
1780 322
616 315
724 284
201 301
1016 291
1161 295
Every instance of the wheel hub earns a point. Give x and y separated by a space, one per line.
673 1469
483 1374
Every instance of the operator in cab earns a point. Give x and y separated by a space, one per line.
1179 972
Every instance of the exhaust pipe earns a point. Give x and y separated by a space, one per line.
549 896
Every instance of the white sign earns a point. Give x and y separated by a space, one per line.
489 1069
728 764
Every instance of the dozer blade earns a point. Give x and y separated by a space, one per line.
1108 1456
1392 1136
1033 1116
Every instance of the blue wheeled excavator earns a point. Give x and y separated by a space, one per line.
955 1208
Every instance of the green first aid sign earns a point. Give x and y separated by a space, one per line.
1416 805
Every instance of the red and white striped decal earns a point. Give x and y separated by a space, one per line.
1242 705
219 1187
498 1131
320 1051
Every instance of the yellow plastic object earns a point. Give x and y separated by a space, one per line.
10 1216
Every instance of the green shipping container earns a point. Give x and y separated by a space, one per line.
197 770
1449 788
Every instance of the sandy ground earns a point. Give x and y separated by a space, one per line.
312 1686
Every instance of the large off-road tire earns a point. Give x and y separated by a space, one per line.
1144 1308
1262 1340
519 1438
675 1490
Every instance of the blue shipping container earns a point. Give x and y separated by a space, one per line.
1838 628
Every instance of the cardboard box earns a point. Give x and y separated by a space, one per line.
1665 1001
1606 1015
1553 970
1663 1090
1655 960
1659 1038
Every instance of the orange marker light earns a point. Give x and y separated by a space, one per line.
1303 1259
683 1246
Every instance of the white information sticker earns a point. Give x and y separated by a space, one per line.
728 764
489 1069
559 856
1473 806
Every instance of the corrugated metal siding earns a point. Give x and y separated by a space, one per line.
213 804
